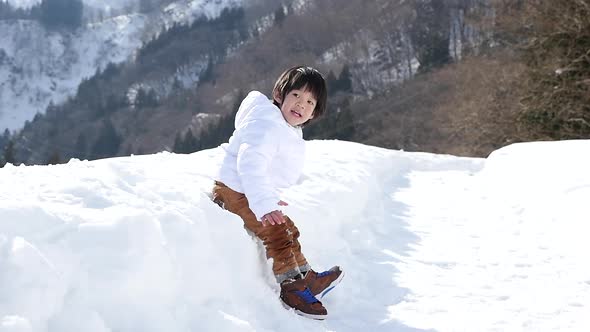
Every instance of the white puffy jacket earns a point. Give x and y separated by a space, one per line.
264 155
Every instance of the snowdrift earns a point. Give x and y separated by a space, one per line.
428 242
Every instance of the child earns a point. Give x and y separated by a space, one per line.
264 154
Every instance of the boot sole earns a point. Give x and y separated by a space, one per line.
332 285
301 313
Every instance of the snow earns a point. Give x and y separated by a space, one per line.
53 64
39 66
428 242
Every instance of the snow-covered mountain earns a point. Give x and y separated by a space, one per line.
428 242
39 66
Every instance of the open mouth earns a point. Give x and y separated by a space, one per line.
297 114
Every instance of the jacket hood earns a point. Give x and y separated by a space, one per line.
256 106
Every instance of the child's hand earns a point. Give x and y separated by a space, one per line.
275 217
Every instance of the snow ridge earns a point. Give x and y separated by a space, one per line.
428 242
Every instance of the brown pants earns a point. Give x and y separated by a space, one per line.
280 241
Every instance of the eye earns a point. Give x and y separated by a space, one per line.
311 102
295 94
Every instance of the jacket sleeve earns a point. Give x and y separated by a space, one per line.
259 145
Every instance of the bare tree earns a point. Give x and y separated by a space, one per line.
555 41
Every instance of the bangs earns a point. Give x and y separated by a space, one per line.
309 79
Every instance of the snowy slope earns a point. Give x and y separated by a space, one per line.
38 66
428 242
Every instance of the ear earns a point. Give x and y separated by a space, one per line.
277 97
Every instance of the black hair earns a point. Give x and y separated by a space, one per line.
303 76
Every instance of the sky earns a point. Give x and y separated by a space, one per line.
428 243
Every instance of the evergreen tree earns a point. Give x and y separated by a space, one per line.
178 141
90 93
331 81
9 154
280 16
5 10
54 159
230 18
113 103
187 143
226 124
146 98
108 141
177 86
343 83
5 138
207 74
57 13
129 151
430 33
190 144
81 147
110 71
334 125
344 124
345 80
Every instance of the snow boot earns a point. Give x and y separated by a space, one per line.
323 282
296 295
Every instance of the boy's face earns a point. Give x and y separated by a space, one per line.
298 106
